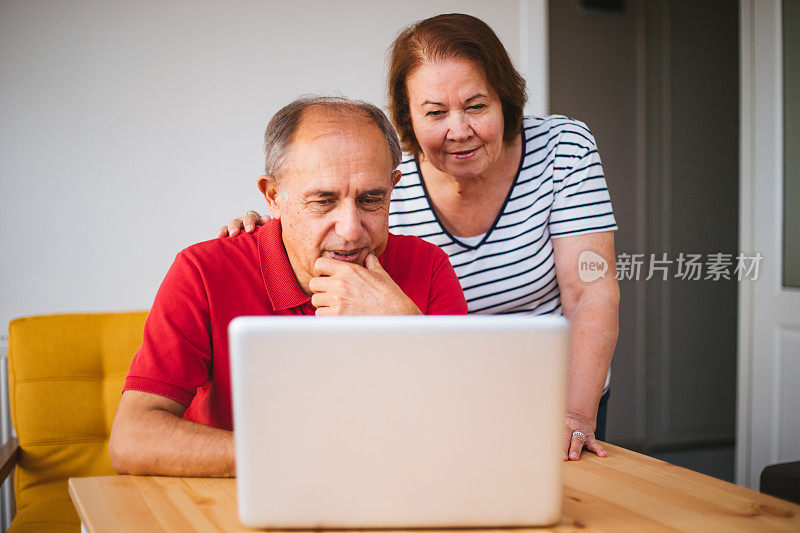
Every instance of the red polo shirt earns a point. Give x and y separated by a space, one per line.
184 355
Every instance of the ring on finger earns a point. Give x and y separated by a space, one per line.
580 434
251 211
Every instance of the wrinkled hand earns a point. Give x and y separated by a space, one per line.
246 222
341 288
573 444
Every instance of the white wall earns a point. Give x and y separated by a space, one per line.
130 130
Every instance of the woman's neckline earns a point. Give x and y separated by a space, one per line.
467 241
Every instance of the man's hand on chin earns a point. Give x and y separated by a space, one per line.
341 288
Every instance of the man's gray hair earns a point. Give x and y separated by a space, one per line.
281 129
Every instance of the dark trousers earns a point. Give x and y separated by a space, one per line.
602 412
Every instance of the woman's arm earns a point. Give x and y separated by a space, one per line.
592 307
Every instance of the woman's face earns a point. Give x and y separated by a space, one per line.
457 117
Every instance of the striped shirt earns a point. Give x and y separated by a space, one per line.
559 190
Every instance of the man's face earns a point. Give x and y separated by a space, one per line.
333 197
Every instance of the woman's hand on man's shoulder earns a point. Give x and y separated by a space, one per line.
246 222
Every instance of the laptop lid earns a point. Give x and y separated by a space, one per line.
397 422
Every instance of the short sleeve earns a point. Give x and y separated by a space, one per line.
446 297
175 357
581 201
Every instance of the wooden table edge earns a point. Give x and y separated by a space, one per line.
76 501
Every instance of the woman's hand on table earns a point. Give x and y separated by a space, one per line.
246 222
574 442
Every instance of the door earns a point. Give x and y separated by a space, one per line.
769 308
656 81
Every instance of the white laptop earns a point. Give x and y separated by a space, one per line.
398 422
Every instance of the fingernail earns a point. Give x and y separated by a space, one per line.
573 455
248 228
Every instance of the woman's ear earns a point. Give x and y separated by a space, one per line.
268 185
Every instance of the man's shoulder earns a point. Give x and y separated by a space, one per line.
404 245
424 272
223 250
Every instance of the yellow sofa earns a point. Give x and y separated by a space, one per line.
65 378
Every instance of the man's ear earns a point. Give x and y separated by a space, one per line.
396 175
268 185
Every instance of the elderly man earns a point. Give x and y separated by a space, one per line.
330 168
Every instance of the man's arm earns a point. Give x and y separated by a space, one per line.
150 437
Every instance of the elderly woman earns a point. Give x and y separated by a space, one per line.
517 202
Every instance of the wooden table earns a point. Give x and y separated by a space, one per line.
624 492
